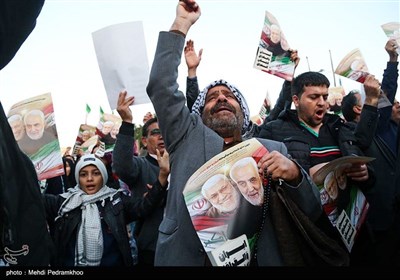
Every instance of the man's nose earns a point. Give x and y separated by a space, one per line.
221 196
321 100
222 97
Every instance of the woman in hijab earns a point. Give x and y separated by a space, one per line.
89 221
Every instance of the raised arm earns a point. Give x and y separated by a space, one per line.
391 73
366 127
192 61
169 103
124 162
389 84
285 97
187 13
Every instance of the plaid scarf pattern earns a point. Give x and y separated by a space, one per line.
89 241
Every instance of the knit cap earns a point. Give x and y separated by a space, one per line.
91 159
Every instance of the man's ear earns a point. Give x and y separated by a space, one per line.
144 141
295 100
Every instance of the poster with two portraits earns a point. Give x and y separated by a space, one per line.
333 182
33 124
224 198
99 139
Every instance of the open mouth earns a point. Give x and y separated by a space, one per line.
90 187
221 107
320 113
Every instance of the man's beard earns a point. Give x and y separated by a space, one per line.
225 126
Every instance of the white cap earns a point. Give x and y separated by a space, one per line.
90 159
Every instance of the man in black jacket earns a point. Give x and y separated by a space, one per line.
369 122
314 138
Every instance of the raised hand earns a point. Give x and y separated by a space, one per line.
391 47
187 13
163 163
192 58
294 56
123 106
372 90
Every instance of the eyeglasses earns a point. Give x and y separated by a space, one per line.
155 131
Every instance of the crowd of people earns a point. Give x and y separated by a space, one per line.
85 214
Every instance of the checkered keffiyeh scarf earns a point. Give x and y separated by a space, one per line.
201 98
89 242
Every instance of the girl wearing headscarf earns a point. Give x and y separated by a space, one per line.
89 221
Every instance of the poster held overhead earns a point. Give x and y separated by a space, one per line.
273 55
392 31
36 134
353 66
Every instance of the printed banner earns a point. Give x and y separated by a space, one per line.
273 54
353 66
331 181
224 199
107 130
33 124
85 140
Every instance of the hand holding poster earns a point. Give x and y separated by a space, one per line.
273 55
392 31
332 180
225 212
